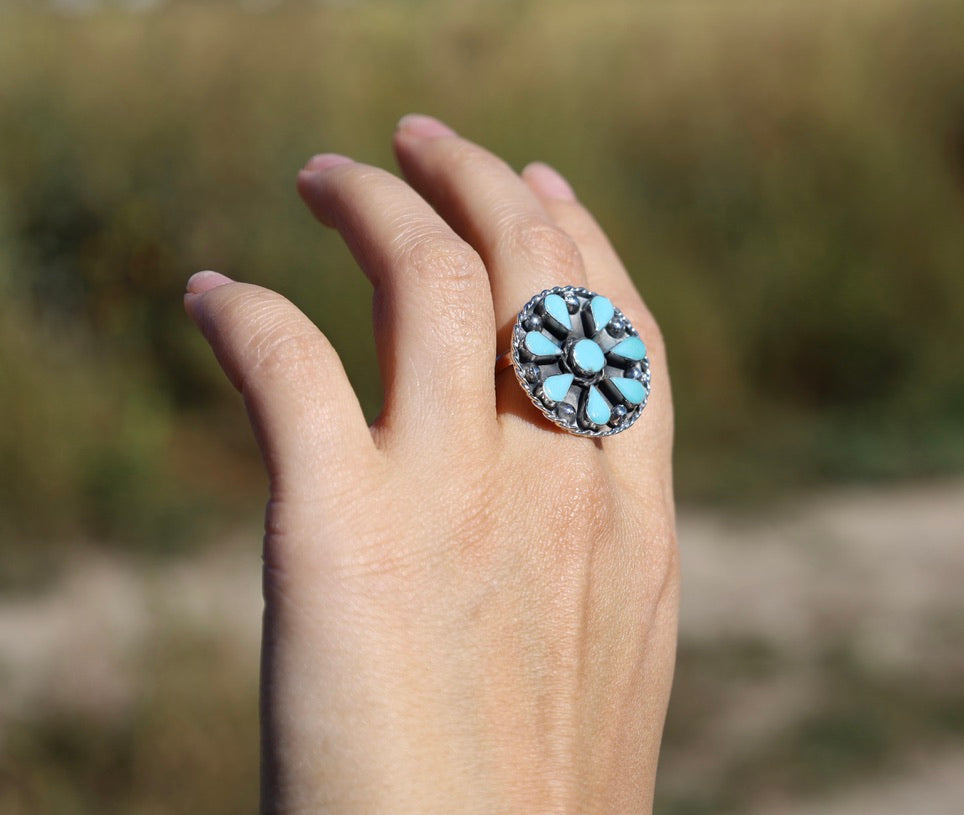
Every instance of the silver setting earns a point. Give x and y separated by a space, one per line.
532 370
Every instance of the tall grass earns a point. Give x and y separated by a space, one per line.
783 179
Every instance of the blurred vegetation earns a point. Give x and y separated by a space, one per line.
784 180
187 744
858 723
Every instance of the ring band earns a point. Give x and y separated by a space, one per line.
580 361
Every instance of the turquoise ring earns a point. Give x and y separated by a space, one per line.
580 361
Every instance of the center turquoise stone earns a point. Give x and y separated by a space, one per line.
580 361
587 357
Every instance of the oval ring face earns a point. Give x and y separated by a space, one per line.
581 361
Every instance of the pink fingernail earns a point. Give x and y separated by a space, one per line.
325 160
417 124
547 182
201 282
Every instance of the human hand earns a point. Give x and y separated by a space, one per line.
467 610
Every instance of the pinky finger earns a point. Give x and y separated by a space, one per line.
607 275
604 270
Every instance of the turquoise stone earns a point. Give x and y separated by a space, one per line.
602 312
540 345
555 307
556 387
632 348
633 390
588 357
597 408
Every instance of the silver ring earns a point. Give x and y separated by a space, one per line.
580 361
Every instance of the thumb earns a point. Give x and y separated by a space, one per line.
305 415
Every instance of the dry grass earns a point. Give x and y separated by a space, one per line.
784 180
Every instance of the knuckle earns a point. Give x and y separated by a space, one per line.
443 262
279 351
442 259
450 277
544 246
266 338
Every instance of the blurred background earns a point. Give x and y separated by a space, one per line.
785 180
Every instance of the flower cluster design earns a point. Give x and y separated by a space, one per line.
581 361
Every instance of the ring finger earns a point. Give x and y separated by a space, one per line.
493 209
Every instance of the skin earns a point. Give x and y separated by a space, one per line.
467 610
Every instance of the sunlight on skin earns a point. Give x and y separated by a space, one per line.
467 610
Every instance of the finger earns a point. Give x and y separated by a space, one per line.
434 326
607 276
605 272
307 420
491 207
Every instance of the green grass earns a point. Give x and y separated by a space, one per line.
784 180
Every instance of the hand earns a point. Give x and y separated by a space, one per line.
467 610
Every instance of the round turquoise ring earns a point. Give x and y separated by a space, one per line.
580 361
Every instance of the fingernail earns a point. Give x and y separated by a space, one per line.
426 127
201 282
547 182
325 160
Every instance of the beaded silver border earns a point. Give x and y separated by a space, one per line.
569 413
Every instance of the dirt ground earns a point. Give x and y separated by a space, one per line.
879 571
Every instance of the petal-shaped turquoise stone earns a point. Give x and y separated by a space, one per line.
597 408
602 312
588 356
630 348
556 387
555 307
633 390
540 345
